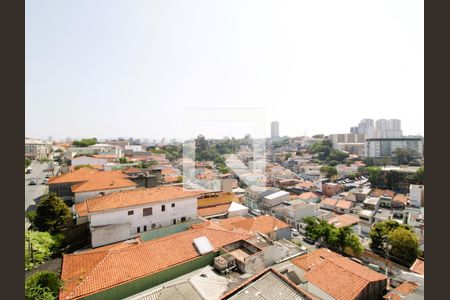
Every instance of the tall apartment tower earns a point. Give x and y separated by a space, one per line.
389 128
366 127
274 130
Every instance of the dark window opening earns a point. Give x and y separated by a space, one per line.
145 227
153 225
163 208
174 221
138 229
173 204
183 219
130 212
147 211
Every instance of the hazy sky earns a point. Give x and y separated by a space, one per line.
130 68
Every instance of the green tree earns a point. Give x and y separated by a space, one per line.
417 177
85 142
374 175
329 171
123 160
352 242
42 286
337 155
39 247
405 245
52 214
27 162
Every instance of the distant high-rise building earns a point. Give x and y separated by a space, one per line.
354 130
389 128
366 127
274 130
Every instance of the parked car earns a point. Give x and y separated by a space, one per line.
309 240
294 232
33 182
256 212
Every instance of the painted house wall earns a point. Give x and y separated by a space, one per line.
186 207
109 234
83 196
86 160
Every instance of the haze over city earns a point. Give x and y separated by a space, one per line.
88 75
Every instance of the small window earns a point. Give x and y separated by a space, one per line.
130 212
173 204
138 229
147 211
153 225
163 208
174 221
183 219
145 227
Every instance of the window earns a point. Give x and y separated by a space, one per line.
174 221
145 227
153 225
183 219
163 208
147 211
130 212
173 204
138 229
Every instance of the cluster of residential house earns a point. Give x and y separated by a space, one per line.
151 238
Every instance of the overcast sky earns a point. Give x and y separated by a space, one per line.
109 68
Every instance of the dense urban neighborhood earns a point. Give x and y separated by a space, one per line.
338 216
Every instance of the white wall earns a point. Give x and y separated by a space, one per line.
186 207
83 196
109 234
86 160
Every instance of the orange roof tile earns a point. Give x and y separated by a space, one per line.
379 193
336 275
94 271
329 201
136 197
131 170
308 195
263 224
418 266
213 210
401 198
343 220
89 179
344 204
402 290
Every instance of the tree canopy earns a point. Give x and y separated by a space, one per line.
405 246
52 214
27 162
39 247
42 286
329 171
85 142
339 239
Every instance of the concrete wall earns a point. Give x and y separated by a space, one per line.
186 207
86 160
109 234
83 196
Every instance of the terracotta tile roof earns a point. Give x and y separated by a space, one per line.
379 193
91 272
213 210
106 156
343 220
402 291
136 197
170 179
88 179
81 209
93 166
329 201
338 276
308 195
418 266
345 204
132 170
79 175
263 224
102 183
401 198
